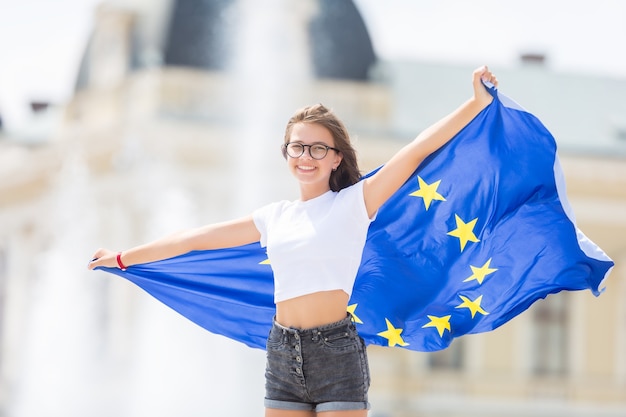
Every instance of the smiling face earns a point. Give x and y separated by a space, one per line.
313 174
334 132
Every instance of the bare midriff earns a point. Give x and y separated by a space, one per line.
312 310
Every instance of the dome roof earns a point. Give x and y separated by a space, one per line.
338 39
201 34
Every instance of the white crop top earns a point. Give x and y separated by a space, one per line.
314 245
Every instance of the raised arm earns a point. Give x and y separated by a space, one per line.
380 186
214 236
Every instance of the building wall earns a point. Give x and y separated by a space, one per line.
149 152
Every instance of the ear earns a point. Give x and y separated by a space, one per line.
338 159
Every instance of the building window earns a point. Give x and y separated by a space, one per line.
550 348
450 358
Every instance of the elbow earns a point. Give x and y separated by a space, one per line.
184 242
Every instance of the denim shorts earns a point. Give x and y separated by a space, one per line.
320 369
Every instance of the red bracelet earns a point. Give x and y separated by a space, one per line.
119 261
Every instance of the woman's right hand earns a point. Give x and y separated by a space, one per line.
214 236
103 257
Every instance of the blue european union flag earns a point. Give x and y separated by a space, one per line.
479 232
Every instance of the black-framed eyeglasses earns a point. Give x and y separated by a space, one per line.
316 150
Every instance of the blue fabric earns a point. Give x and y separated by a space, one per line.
421 282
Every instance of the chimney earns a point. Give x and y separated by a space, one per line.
39 106
533 59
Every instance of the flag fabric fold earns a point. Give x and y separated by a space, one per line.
479 232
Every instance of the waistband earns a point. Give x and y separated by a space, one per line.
314 330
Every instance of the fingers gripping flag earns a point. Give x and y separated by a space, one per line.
479 232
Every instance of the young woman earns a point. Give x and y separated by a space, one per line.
316 362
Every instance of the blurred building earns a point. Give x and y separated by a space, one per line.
177 121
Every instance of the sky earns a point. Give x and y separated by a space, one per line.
585 36
42 41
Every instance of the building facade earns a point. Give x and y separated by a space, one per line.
157 139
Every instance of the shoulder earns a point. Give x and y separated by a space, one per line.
351 190
352 193
265 216
353 198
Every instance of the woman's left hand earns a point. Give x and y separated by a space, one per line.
480 91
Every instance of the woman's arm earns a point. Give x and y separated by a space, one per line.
214 236
380 186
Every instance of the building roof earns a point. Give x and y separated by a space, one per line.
586 114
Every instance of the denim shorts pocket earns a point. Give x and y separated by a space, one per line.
340 339
275 340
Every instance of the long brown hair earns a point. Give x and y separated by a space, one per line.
347 173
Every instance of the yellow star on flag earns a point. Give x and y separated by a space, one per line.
479 274
473 306
441 323
351 310
428 192
464 231
393 335
265 262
